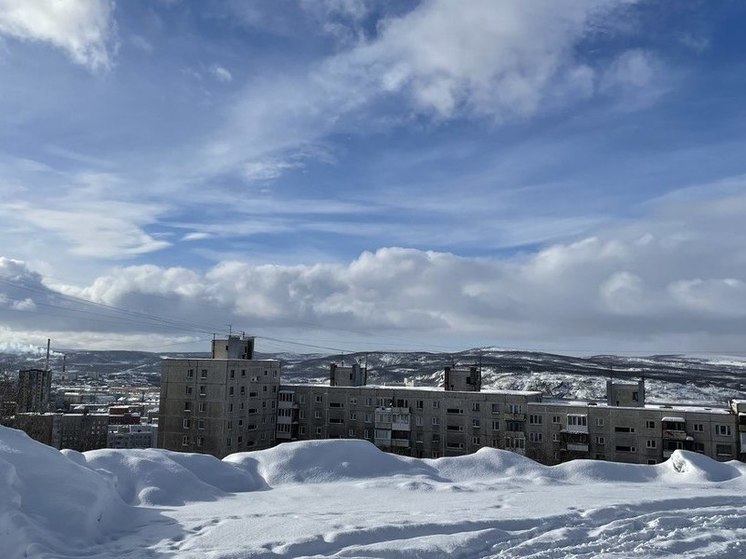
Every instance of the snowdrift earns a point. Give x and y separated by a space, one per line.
52 500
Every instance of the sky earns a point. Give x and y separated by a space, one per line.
358 175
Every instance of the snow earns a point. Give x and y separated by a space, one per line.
345 498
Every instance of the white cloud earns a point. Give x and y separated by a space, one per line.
643 285
84 29
221 74
496 60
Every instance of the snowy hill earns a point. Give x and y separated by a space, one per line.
345 498
671 378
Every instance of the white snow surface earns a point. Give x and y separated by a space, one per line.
345 498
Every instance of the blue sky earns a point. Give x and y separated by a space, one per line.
556 175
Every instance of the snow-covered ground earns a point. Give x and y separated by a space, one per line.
347 499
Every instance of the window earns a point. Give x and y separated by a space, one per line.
286 396
600 440
351 433
188 390
454 428
317 414
454 411
336 405
651 443
228 425
698 427
200 424
577 420
624 429
190 373
186 424
495 408
476 440
475 406
264 388
353 416
368 418
253 394
536 437
230 407
185 440
243 391
230 391
187 406
420 404
722 430
514 426
495 425
475 423
555 438
201 406
599 422
243 372
233 373
515 408
650 424
534 419
369 401
418 420
621 448
435 454
203 374
353 401
302 429
436 421
319 398
336 420
240 422
203 391
366 434
240 439
200 441
436 404
228 442
556 419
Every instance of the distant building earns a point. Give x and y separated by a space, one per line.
220 405
76 431
350 375
34 390
462 379
132 436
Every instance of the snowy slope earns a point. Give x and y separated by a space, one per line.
345 498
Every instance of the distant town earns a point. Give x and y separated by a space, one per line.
231 401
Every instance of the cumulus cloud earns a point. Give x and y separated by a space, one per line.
84 29
673 281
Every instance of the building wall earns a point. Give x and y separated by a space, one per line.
428 423
218 406
34 390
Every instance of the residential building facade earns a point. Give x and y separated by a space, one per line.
223 404
429 422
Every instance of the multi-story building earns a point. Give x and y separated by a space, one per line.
222 404
76 431
34 390
132 436
430 422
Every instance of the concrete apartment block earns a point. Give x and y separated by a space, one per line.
219 405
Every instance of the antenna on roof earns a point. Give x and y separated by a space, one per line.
46 363
230 330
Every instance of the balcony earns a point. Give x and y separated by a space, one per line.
514 416
674 434
576 429
282 420
576 447
400 443
287 405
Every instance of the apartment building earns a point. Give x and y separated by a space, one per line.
219 405
76 431
34 390
204 409
431 423
132 436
